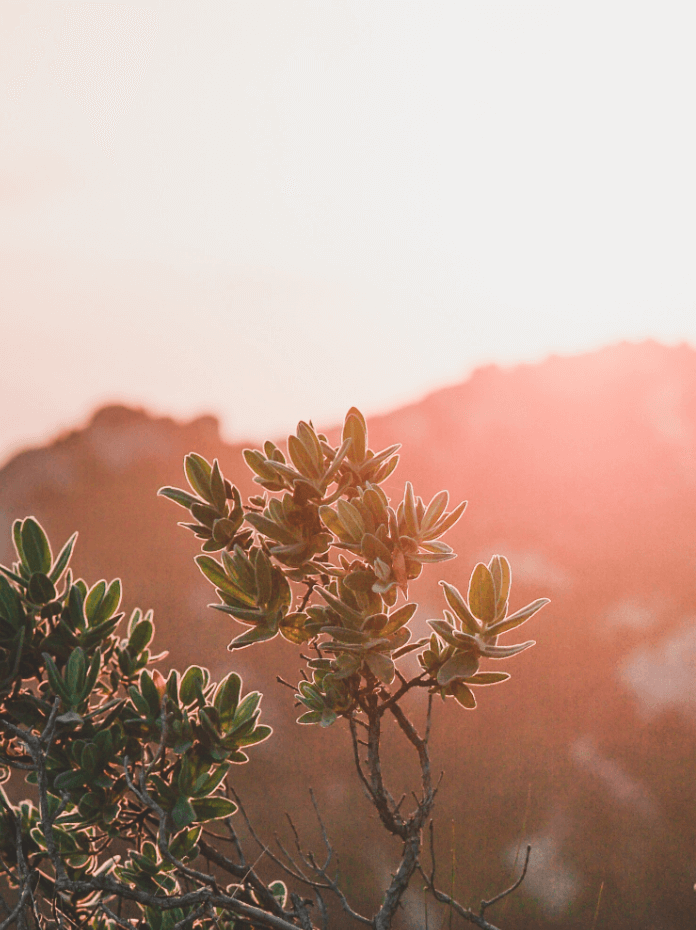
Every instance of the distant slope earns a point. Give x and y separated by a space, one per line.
583 472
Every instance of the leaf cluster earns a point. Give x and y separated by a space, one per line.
119 754
321 558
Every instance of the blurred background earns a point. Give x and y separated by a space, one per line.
476 223
392 193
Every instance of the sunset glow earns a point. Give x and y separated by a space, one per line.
355 202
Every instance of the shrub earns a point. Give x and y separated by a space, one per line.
132 819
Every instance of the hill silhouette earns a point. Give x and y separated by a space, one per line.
582 471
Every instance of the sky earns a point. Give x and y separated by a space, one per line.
271 211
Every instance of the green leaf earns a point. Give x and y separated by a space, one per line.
109 603
260 733
55 680
227 696
217 487
187 690
151 694
482 594
446 523
184 842
500 572
215 808
355 428
212 570
351 520
460 665
264 577
336 461
312 716
41 589
301 458
410 512
308 438
61 562
10 604
381 667
332 522
436 508
206 783
94 599
445 630
92 675
258 464
183 813
505 652
75 671
271 529
462 694
17 538
77 609
182 498
36 547
247 708
469 623
487 678
140 637
198 473
518 618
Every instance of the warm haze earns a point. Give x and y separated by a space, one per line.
372 198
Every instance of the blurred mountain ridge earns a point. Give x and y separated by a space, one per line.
582 471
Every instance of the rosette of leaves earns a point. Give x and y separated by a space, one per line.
315 465
395 545
252 590
470 632
218 523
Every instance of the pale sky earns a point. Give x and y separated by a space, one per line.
274 210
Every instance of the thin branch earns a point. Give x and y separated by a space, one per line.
513 887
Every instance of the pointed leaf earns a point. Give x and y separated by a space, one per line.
463 695
62 560
487 678
198 472
436 508
36 547
482 594
182 498
381 667
460 665
518 618
469 623
355 428
504 652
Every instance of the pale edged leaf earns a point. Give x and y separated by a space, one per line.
61 562
505 652
487 678
518 618
36 547
381 667
448 521
469 622
460 665
435 509
462 695
500 572
198 471
482 594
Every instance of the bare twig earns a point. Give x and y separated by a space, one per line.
513 887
